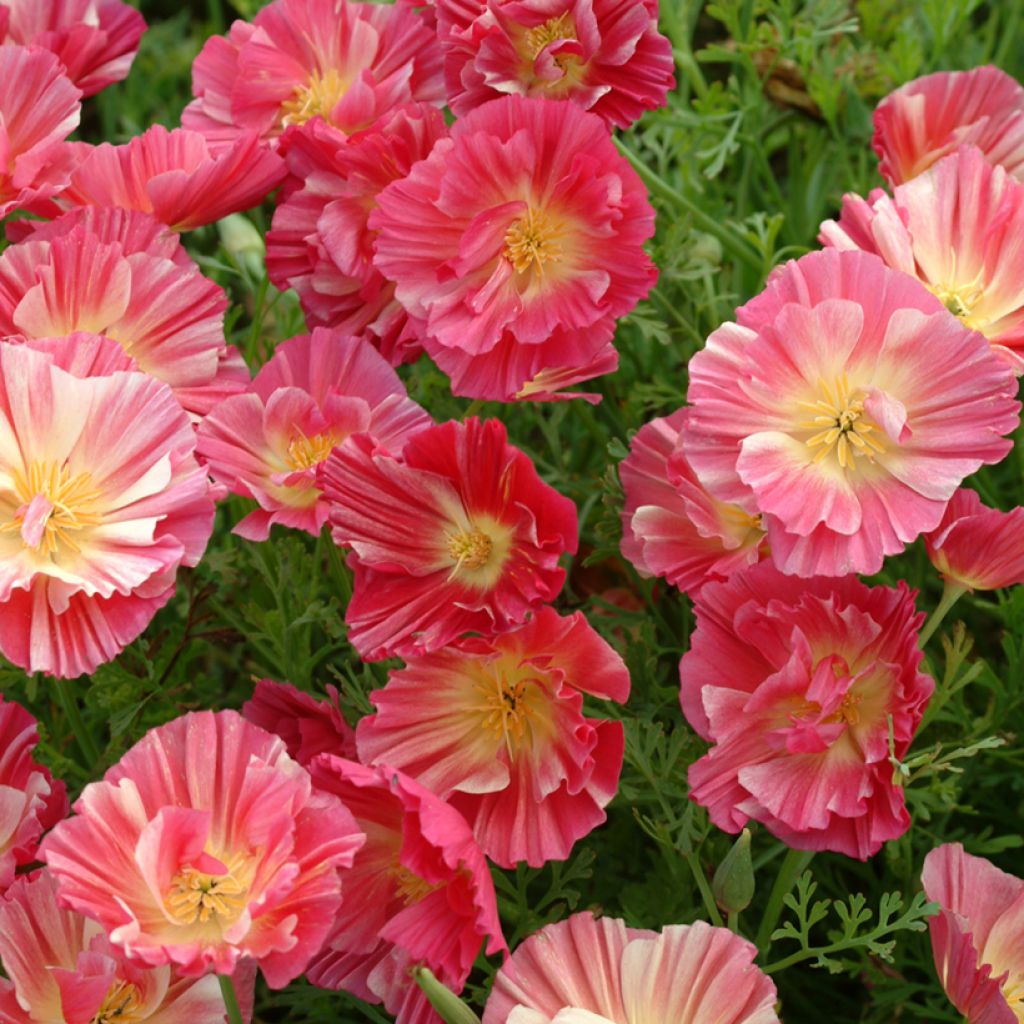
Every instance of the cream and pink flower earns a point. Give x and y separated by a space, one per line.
978 934
496 728
95 40
204 847
419 892
320 243
315 391
60 966
101 501
977 547
956 229
459 534
518 242
167 317
31 800
931 117
845 407
587 970
671 526
39 108
796 684
605 55
343 62
174 176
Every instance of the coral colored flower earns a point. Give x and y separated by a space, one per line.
794 683
308 726
315 391
978 934
587 970
168 318
206 845
605 55
39 108
930 117
101 501
955 228
671 526
458 535
418 892
82 354
845 408
63 968
173 176
96 40
320 244
518 242
31 801
343 62
978 547
495 727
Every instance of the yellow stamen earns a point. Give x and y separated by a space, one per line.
1013 993
409 887
315 99
847 711
470 550
196 897
531 241
551 31
73 499
511 707
121 1005
840 425
306 452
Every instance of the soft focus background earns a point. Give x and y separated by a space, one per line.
769 126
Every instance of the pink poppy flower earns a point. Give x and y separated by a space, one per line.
101 501
827 410
930 117
519 242
61 967
793 682
671 526
174 176
955 228
458 535
31 800
346 63
316 390
977 547
95 40
204 846
320 244
308 726
39 108
495 727
587 970
978 934
418 892
605 55
168 318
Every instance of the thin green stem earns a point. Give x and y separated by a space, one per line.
705 889
84 737
792 867
227 990
733 921
951 593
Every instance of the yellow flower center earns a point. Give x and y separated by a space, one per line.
121 1005
960 299
198 897
847 711
470 550
1013 993
532 241
551 31
72 506
840 425
511 706
317 98
306 452
409 887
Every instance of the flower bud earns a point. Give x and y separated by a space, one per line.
450 1007
243 242
733 884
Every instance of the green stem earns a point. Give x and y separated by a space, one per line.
951 593
730 241
793 866
227 990
705 889
733 921
83 736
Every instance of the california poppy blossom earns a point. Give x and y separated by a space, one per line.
495 727
456 534
796 685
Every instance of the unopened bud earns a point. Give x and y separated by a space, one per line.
451 1008
733 884
242 240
